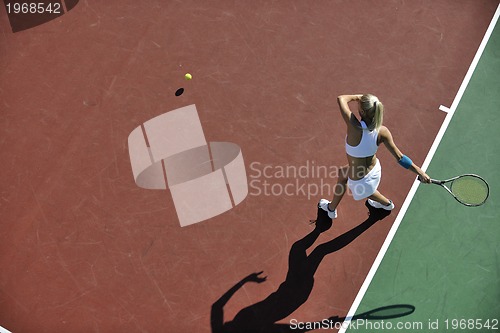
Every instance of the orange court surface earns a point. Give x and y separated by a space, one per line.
85 249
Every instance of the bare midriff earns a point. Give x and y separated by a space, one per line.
360 167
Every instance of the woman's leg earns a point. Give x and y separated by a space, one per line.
379 197
378 200
340 188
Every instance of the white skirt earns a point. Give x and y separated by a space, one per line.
366 186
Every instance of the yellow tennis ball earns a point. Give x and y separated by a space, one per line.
188 76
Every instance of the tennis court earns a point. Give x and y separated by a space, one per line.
99 234
445 263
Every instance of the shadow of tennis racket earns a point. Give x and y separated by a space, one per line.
336 322
385 312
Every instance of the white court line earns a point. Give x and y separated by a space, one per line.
3 330
444 108
411 194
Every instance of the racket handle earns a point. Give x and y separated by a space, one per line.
433 181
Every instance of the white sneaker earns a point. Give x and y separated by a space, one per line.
376 204
323 204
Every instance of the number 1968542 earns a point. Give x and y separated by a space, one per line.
33 8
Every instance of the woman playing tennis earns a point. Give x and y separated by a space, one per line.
362 173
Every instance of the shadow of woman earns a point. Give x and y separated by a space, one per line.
262 317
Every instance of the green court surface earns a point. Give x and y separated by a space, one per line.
445 258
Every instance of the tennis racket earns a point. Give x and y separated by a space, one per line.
469 189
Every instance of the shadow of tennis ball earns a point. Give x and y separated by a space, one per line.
179 92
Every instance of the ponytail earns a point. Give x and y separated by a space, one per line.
374 108
378 117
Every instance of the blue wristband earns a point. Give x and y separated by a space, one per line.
405 162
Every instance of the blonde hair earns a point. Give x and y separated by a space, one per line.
374 110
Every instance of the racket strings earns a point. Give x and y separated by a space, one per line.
470 190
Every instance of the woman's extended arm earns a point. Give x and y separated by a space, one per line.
343 101
388 141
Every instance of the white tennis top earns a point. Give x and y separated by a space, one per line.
368 145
